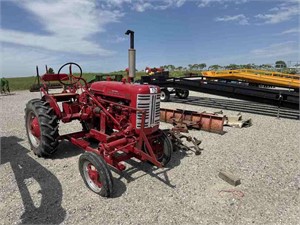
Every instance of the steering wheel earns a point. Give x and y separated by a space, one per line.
71 79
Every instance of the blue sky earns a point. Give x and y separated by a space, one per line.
178 32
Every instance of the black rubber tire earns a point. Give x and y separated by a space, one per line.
101 166
182 94
168 149
48 124
164 95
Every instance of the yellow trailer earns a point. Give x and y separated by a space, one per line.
258 76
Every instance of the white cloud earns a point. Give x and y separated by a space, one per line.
205 3
69 25
275 50
62 43
291 31
117 2
143 5
21 61
117 39
179 3
283 12
241 19
274 9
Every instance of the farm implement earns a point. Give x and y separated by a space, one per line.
50 83
258 77
278 97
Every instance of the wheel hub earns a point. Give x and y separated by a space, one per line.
94 175
158 149
35 128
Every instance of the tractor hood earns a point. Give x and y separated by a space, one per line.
122 90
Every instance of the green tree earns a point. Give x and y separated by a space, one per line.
265 66
280 64
214 67
179 68
248 66
196 66
232 67
171 67
201 66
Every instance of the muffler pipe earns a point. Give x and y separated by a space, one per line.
131 56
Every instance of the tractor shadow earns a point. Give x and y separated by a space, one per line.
240 106
66 150
147 168
27 171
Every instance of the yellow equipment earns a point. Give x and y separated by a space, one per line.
258 76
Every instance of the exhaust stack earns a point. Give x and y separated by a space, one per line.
131 55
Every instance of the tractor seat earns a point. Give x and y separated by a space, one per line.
64 96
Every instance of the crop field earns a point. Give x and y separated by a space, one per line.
264 156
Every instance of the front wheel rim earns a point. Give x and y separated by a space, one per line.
158 148
92 176
33 129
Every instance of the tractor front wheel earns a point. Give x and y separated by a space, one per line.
96 174
162 148
41 127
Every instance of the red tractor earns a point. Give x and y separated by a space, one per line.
119 120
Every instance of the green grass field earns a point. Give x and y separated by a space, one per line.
24 83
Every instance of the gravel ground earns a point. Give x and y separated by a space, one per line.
50 191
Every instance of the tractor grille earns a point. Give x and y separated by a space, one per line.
151 104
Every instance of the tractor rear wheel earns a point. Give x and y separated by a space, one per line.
162 148
41 127
96 174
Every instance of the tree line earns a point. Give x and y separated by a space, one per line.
201 66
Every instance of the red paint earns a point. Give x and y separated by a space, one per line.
54 77
35 127
94 175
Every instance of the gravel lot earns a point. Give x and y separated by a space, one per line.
50 191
